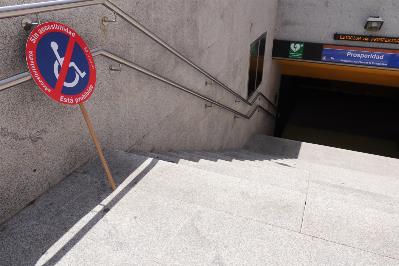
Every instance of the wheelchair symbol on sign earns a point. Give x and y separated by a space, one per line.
78 73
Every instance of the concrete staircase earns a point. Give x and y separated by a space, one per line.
275 202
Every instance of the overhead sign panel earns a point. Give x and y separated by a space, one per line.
361 56
366 38
60 63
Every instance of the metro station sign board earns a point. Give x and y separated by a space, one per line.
365 38
339 54
361 56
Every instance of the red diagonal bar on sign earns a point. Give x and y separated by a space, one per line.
64 68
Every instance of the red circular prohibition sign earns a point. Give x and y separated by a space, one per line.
62 64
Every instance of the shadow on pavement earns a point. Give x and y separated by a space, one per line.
71 208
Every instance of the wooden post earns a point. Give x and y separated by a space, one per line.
98 147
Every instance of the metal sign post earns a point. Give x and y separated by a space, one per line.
62 66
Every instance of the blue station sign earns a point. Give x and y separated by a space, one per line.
361 56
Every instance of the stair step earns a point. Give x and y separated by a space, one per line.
271 167
247 198
359 180
324 155
229 157
289 178
243 155
213 156
292 179
157 156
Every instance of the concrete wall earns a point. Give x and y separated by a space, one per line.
42 142
318 20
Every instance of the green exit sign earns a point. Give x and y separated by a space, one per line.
296 50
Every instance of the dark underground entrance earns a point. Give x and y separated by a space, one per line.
346 115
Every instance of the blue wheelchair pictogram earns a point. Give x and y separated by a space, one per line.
51 51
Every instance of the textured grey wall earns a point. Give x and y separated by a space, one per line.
41 141
318 20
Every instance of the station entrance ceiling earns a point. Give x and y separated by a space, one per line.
357 74
335 62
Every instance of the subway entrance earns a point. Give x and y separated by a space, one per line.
348 115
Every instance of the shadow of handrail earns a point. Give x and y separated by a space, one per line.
116 197
53 224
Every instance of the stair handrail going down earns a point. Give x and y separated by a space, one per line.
54 5
25 76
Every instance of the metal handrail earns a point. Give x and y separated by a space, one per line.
23 77
25 9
